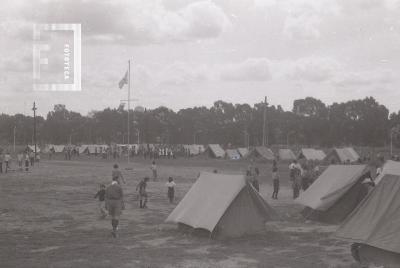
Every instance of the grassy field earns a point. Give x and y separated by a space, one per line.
49 218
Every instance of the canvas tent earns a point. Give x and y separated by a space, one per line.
194 149
232 208
286 154
342 156
263 152
390 167
83 149
312 154
376 224
58 148
244 152
215 150
232 154
31 148
336 192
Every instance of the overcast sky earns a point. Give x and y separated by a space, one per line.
188 53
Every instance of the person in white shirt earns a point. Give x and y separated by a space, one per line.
171 189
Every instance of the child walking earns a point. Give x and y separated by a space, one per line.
275 179
171 189
101 195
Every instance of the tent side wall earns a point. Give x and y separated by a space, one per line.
242 217
342 208
379 256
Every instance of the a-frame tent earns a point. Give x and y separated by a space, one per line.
263 152
311 154
58 148
244 152
390 167
375 224
216 151
342 156
31 148
232 154
286 155
233 208
336 192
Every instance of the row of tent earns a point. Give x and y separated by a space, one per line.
234 208
370 218
337 155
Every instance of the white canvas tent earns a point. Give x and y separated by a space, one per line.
263 152
286 154
83 149
375 224
215 150
232 208
244 152
312 154
58 148
32 148
194 149
336 192
232 154
343 155
390 167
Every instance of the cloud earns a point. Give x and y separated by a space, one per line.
254 69
179 74
304 17
311 69
134 22
365 78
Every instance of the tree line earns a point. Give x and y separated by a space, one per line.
362 122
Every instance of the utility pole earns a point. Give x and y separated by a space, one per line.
14 137
34 125
265 135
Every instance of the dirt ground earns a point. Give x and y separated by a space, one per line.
49 218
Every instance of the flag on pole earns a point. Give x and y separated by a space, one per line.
123 81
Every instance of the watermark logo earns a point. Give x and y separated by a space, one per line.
57 57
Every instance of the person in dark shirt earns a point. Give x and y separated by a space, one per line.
101 195
114 204
142 192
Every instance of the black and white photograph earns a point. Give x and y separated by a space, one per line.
200 133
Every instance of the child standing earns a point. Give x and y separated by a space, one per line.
101 194
142 192
275 180
171 189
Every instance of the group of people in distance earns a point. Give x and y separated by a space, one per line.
111 197
23 158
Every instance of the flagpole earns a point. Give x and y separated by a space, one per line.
129 104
